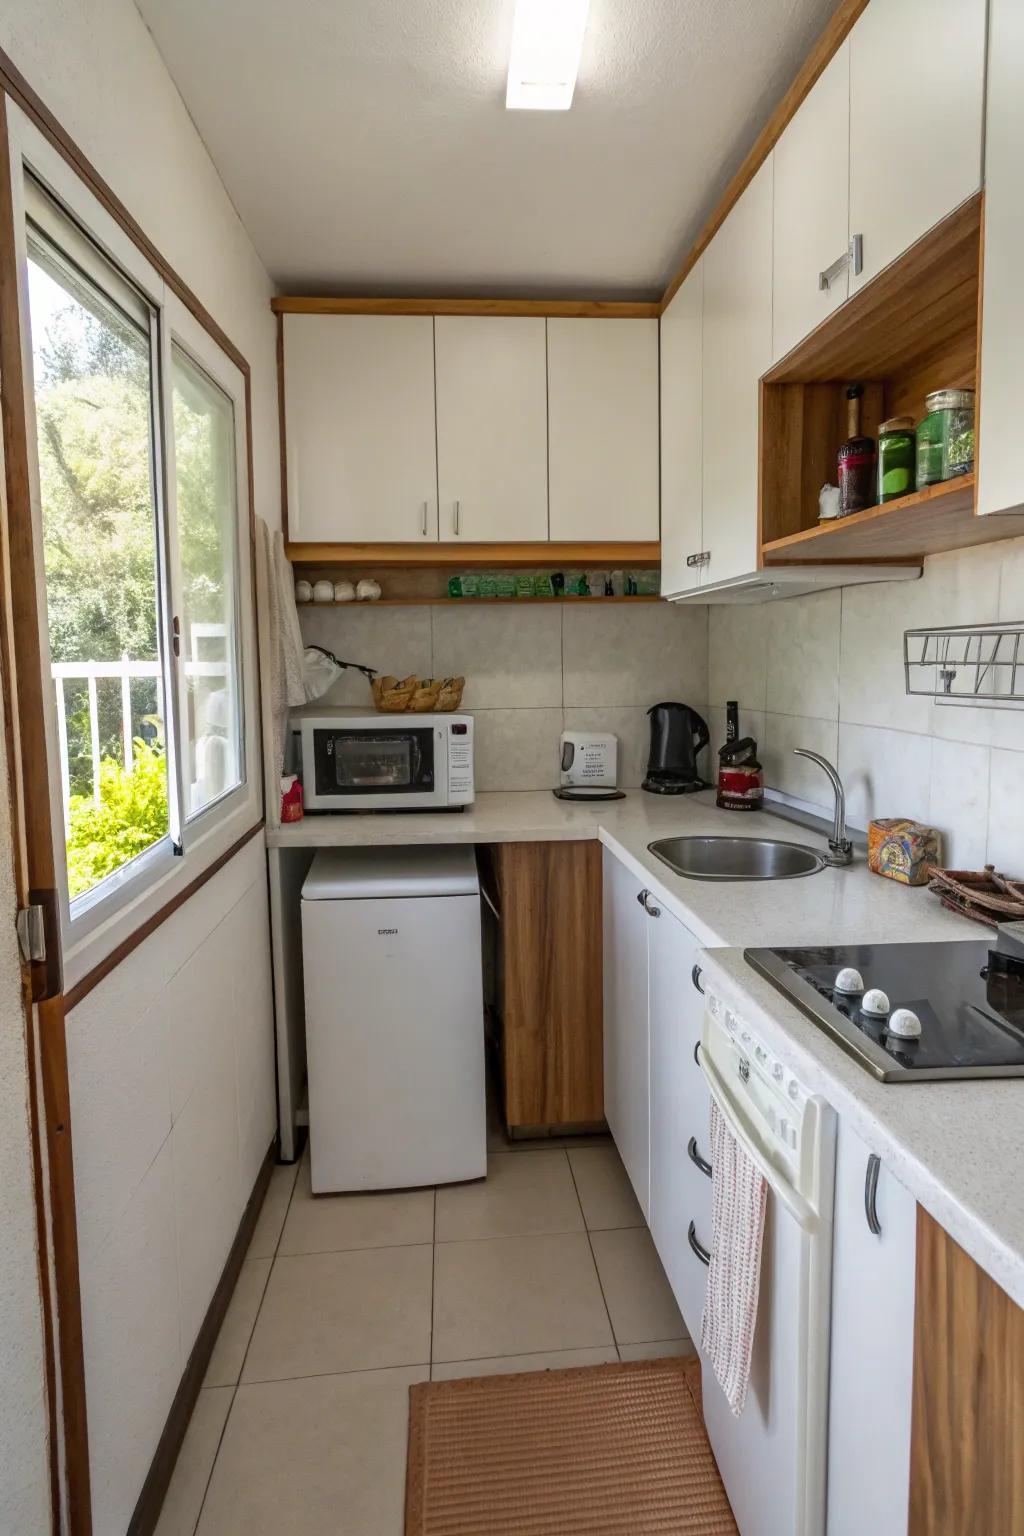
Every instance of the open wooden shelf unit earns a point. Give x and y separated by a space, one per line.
486 602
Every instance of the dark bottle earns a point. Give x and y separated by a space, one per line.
856 460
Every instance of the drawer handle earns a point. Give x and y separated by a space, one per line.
641 897
649 908
695 1157
698 1248
695 976
871 1194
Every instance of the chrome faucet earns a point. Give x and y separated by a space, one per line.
840 849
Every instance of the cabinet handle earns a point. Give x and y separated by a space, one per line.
455 518
871 1194
651 911
852 257
695 1157
424 524
695 976
641 897
703 557
698 1248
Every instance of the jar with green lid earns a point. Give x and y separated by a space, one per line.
945 438
896 458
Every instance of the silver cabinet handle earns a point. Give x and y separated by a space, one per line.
455 518
425 510
649 908
642 896
703 557
698 1248
871 1194
853 257
695 976
695 1157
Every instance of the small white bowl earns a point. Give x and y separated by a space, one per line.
323 592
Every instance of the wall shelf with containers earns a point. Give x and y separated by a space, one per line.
431 587
910 332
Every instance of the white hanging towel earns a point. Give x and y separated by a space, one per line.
739 1195
280 652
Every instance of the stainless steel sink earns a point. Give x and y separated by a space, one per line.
736 858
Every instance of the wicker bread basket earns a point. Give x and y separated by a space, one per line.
417 695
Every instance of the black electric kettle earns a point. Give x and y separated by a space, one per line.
677 735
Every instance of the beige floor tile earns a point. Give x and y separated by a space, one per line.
275 1207
304 1458
603 1186
507 1365
236 1330
195 1463
663 1349
639 1298
516 1296
355 1311
520 1195
330 1223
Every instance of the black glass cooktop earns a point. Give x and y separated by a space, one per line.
967 996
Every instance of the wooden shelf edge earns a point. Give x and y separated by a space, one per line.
471 556
491 602
955 498
566 309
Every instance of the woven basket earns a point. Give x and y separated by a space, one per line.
986 896
417 695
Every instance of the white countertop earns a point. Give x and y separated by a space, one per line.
958 1147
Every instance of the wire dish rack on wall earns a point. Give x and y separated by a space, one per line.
967 664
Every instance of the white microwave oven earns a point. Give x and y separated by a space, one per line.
352 761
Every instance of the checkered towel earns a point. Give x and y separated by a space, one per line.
738 1198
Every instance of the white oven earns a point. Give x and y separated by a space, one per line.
352 761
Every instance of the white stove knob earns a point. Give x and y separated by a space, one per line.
849 980
904 1023
875 1002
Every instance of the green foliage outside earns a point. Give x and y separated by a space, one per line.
131 816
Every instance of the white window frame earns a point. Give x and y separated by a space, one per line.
104 918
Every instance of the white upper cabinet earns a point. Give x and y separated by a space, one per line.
1000 471
812 208
917 86
681 436
359 412
736 350
492 428
603 429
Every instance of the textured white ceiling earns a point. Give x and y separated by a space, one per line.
367 147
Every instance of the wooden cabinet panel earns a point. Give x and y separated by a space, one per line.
681 436
966 1464
917 83
627 1088
552 994
812 208
359 428
999 468
736 349
492 428
603 428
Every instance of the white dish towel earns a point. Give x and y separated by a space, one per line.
739 1195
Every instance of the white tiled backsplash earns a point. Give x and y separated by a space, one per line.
826 672
531 672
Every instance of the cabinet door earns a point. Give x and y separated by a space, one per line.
492 428
871 1385
736 350
359 414
999 466
917 81
680 436
626 1058
603 428
680 1113
812 208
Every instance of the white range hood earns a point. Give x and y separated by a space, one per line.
791 581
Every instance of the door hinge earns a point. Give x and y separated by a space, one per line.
32 934
38 925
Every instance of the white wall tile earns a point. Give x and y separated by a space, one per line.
516 748
738 655
803 656
885 773
641 655
958 803
391 640
509 658
794 775
1006 813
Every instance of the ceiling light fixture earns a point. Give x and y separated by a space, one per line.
547 42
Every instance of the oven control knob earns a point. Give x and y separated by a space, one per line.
777 1072
849 981
794 1088
904 1023
875 1002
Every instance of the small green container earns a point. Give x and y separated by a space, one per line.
896 458
945 438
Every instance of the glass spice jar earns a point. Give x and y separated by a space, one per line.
896 458
945 438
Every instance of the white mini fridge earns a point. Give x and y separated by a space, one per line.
394 1017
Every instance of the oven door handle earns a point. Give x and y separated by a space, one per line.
798 1207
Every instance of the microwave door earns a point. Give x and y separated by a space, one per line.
358 765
